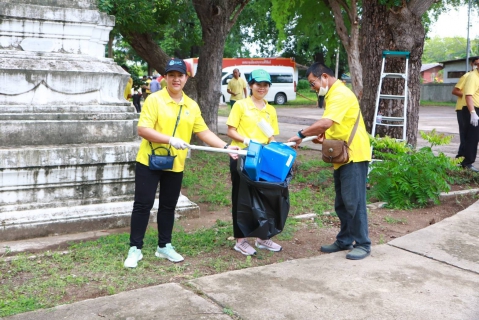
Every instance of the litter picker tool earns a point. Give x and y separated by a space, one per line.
240 152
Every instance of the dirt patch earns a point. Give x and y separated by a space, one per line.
384 224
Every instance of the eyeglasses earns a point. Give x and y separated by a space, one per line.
312 83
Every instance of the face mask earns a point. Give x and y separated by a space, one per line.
322 91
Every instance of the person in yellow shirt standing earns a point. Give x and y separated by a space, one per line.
470 120
461 102
129 85
168 118
236 87
337 123
242 128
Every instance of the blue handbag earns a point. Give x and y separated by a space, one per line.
159 162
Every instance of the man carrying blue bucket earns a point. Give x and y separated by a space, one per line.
341 120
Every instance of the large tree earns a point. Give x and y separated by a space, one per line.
144 23
366 29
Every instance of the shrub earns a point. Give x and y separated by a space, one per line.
303 84
407 178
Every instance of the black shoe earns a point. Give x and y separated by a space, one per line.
330 248
471 168
358 253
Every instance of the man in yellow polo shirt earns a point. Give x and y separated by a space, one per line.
470 120
236 87
460 103
340 114
168 118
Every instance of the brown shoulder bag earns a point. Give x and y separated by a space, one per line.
336 151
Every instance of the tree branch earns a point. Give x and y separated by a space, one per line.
419 7
340 25
238 11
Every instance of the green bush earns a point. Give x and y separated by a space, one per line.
408 178
303 84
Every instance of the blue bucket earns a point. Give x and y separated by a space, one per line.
271 162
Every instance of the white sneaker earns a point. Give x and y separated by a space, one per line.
134 255
169 253
268 245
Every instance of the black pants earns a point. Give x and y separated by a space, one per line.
462 138
137 105
235 181
471 138
146 184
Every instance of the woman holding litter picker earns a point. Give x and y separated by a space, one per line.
167 120
251 119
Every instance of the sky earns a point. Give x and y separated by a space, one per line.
454 23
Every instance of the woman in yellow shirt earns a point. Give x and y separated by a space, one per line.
242 128
168 119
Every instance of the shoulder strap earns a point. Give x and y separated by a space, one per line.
355 128
176 125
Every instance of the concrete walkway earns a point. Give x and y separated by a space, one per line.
432 274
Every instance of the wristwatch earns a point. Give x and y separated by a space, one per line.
300 134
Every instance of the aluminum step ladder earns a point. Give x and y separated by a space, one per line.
387 120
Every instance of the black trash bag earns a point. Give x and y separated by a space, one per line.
263 206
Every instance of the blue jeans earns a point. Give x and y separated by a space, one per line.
350 205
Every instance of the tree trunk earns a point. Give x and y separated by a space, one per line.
349 39
394 30
217 18
111 37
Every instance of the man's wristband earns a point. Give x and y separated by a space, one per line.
300 134
226 146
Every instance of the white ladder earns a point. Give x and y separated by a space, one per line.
382 120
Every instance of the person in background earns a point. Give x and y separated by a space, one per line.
129 85
337 123
145 88
137 101
168 119
470 120
242 128
236 87
154 85
162 81
460 104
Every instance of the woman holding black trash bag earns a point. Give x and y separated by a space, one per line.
167 120
251 119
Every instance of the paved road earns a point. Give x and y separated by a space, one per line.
443 119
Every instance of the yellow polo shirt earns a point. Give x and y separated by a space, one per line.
342 109
127 91
244 116
148 86
471 87
160 112
461 102
237 87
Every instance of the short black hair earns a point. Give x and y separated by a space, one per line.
473 59
317 69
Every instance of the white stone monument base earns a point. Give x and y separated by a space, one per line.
54 221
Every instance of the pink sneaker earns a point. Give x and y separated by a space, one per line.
244 247
268 244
